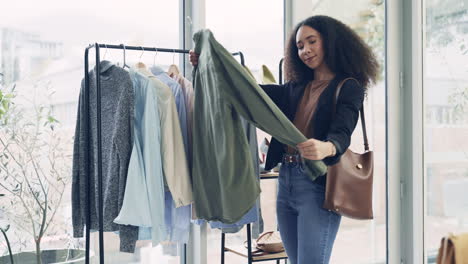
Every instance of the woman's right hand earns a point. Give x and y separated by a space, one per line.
193 58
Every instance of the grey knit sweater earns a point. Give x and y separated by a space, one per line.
117 104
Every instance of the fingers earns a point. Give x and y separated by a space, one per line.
193 58
309 153
308 143
310 149
311 156
307 149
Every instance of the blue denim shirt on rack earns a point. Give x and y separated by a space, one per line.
177 222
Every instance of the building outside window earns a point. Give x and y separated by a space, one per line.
445 87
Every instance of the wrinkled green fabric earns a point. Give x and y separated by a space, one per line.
267 76
249 71
224 182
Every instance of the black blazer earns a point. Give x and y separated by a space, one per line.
338 131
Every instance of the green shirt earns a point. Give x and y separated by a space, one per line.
224 182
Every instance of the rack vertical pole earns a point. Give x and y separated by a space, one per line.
99 157
249 244
87 166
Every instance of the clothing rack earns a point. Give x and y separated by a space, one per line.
97 47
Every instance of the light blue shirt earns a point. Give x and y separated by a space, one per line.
144 200
250 217
177 222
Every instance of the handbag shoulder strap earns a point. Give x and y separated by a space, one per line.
444 249
361 111
264 234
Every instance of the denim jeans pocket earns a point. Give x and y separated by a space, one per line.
283 171
301 167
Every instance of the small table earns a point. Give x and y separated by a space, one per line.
269 175
249 256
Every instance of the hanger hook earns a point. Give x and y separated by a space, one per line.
189 19
124 63
142 51
155 54
105 53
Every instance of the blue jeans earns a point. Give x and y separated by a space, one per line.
308 231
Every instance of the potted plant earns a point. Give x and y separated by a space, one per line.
4 230
34 174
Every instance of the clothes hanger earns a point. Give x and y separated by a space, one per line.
124 62
173 69
140 64
105 53
154 58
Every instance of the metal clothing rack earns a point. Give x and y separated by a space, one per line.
251 258
97 47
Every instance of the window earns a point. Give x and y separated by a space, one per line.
365 241
256 29
445 87
41 52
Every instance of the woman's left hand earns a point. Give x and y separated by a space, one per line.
314 149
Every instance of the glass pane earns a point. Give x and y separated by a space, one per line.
446 121
256 29
365 241
41 51
367 238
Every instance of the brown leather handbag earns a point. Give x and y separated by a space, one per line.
270 242
267 243
349 182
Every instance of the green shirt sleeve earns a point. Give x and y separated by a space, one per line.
245 97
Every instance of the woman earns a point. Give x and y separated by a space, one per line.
320 53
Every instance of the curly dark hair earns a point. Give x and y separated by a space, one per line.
346 54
